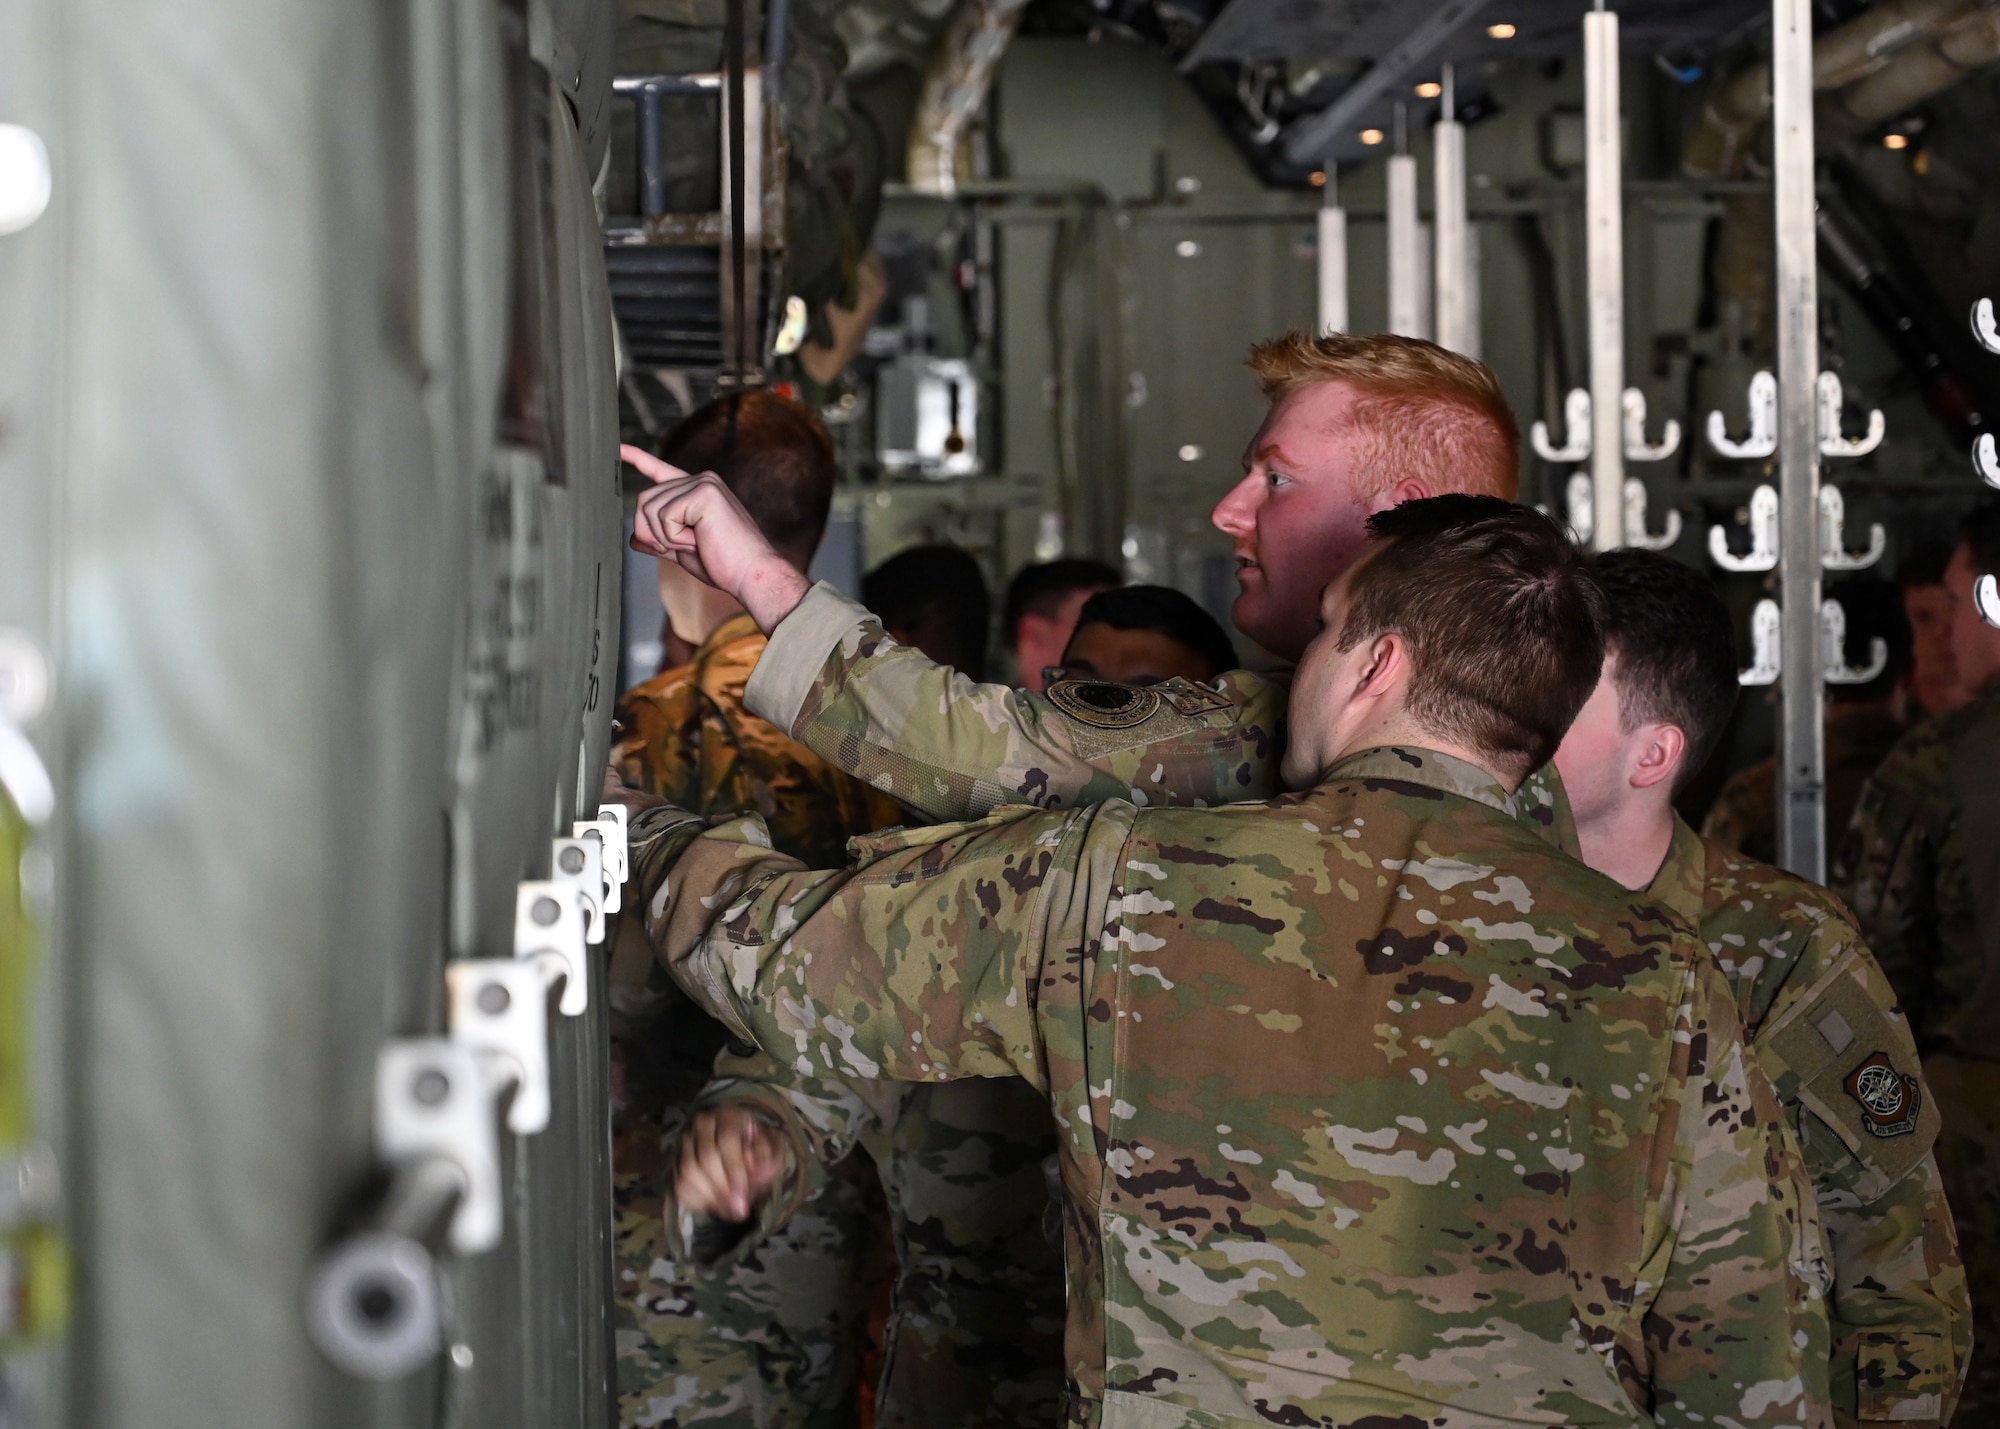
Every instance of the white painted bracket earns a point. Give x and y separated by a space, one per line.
1831 442
500 1009
1636 446
1833 649
1833 552
580 863
1986 459
548 932
1580 507
1576 434
1635 516
433 1098
1766 646
610 829
1763 554
1986 600
1984 331
1763 438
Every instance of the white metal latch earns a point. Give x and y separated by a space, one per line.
24 694
1580 502
1986 600
580 863
1833 649
1635 513
1576 436
1763 554
548 932
1833 552
1763 438
1985 459
1831 442
1766 645
1637 448
500 1009
433 1098
609 827
1984 331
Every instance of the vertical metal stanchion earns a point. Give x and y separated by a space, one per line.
1332 257
1801 732
1405 242
1455 305
1604 224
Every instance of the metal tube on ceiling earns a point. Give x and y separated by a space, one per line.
1332 258
1604 224
1801 731
1456 304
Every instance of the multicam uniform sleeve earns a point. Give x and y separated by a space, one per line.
951 748
817 1120
1886 872
922 961
1735 1213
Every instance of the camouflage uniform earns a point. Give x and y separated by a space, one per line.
774 1337
1517 1169
1818 1009
1744 815
1918 868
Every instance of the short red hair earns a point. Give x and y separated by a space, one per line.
1430 413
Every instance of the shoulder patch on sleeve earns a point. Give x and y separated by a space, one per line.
1104 706
1838 1054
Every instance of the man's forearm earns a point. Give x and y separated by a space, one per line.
953 748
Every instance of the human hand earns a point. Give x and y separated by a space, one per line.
729 1159
616 791
697 523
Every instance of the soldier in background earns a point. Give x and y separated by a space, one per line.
1145 635
1863 723
774 1338
1933 687
1281 1037
1040 613
1920 866
934 597
1822 1019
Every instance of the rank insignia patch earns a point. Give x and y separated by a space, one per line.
1104 706
1889 1099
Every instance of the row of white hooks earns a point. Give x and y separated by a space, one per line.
1986 460
1761 442
1767 647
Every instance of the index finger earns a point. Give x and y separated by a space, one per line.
650 466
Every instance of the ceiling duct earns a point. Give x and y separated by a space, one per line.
955 87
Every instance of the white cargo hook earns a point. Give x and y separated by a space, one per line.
1635 517
1986 600
1833 552
1576 434
1831 442
1636 446
1763 438
1580 500
1763 554
1766 646
1984 331
1985 459
1833 649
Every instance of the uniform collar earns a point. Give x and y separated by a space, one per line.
1407 764
1681 884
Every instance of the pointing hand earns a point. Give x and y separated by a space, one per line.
697 523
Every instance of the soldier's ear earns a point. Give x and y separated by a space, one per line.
1388 662
1661 748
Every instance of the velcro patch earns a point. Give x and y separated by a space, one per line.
1838 1053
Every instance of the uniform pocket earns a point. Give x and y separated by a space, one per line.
1900 1376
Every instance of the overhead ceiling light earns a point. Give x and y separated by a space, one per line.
1895 141
1429 89
1502 31
1371 136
